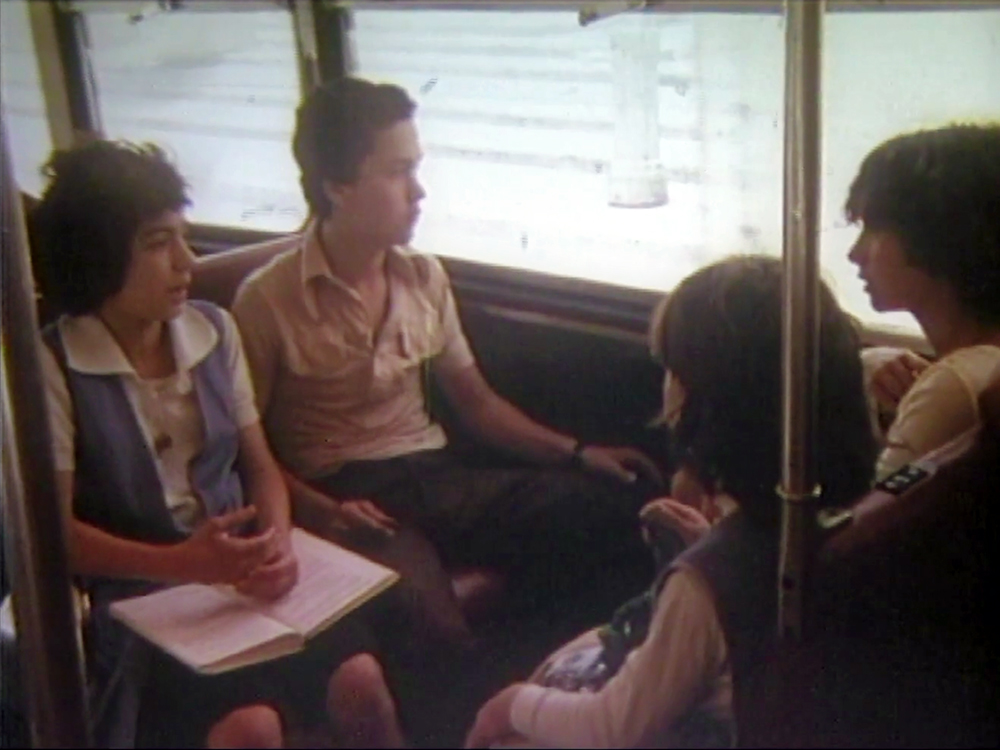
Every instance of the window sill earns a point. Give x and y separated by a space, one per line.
546 298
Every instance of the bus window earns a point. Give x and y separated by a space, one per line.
218 89
23 101
637 148
628 150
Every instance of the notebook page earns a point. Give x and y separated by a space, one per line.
332 582
199 625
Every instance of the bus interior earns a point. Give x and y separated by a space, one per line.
581 159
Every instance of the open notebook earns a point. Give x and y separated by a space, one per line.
214 629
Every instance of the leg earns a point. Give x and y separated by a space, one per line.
362 707
554 531
184 709
424 597
251 726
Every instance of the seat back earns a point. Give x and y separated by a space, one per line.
218 276
901 648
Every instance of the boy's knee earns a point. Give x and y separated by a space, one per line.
252 726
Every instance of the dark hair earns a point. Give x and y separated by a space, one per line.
719 334
82 230
335 129
939 191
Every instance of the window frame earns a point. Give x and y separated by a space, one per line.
549 299
680 6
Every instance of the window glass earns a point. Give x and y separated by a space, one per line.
218 90
23 102
637 148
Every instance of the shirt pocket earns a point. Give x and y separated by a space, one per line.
410 343
419 336
334 367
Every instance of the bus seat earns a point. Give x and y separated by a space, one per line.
218 276
480 591
900 648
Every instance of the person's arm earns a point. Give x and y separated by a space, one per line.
264 487
499 423
326 516
262 482
266 491
936 409
210 555
680 661
889 372
670 514
586 640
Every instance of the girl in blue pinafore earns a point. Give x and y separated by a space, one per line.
162 462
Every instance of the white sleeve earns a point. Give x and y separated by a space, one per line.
684 654
454 353
937 408
60 409
243 395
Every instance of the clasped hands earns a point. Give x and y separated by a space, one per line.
261 565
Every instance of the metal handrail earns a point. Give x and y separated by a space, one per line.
800 314
48 640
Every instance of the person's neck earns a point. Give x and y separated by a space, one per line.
949 327
351 258
141 341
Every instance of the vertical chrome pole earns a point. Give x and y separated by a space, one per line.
48 635
68 81
305 46
800 320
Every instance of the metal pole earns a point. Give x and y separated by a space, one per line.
68 82
48 635
305 46
800 319
331 26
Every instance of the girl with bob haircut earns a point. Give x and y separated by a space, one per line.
163 466
712 611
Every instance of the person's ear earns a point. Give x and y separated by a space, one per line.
335 193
